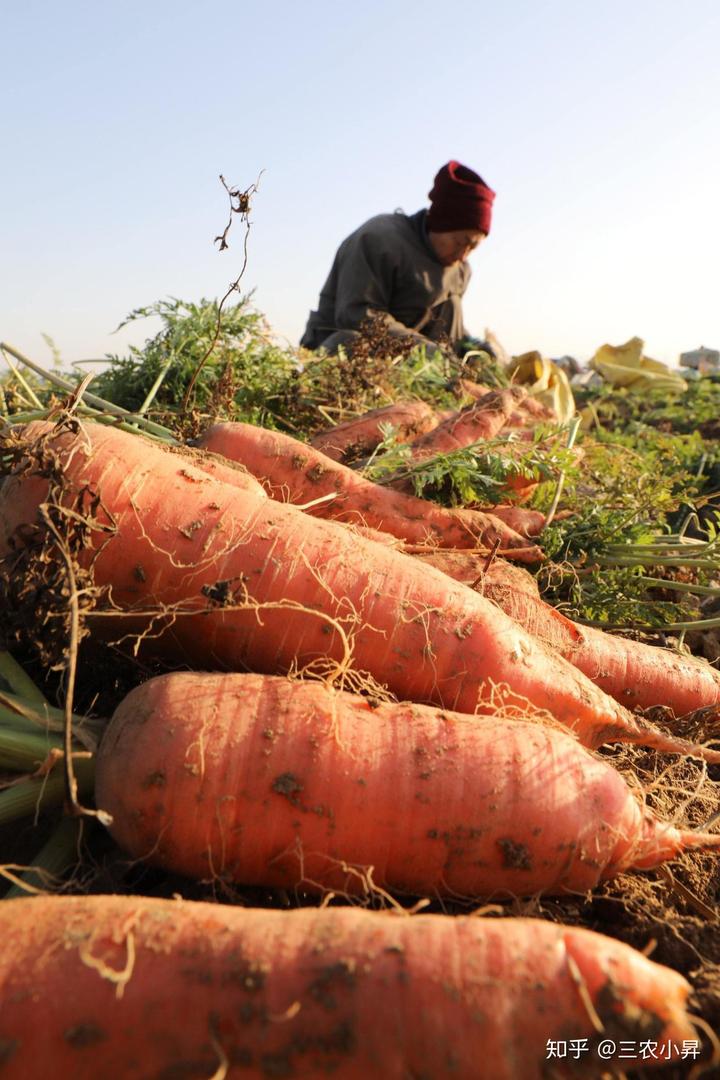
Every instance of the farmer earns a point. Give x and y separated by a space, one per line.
411 270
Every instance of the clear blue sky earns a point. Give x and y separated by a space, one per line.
597 124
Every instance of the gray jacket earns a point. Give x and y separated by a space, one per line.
387 266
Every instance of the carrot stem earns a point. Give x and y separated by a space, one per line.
20 751
680 586
27 716
93 399
35 794
659 560
5 349
698 624
19 682
572 436
54 858
156 386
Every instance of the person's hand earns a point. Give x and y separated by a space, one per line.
473 344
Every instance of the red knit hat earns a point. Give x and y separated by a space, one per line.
459 199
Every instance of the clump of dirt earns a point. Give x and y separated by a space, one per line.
355 380
709 429
48 568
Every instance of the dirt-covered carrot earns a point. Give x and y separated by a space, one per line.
632 672
531 412
128 987
296 473
195 463
220 468
644 675
479 421
268 781
356 438
528 408
486 574
479 572
524 521
467 388
248 583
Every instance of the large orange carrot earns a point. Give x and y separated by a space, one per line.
644 675
632 672
296 473
480 421
267 781
289 590
127 987
358 437
635 674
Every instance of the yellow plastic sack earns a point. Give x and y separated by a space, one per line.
625 365
545 381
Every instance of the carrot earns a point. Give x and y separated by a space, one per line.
531 410
293 472
267 781
379 537
528 408
645 675
479 421
519 487
220 468
523 521
466 388
128 987
493 412
200 461
286 591
632 672
478 572
357 437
